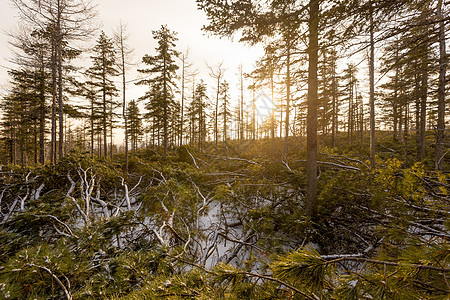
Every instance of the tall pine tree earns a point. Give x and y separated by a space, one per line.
163 68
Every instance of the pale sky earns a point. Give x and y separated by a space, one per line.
142 16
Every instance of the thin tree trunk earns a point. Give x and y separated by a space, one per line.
216 113
54 99
350 108
440 136
406 130
111 130
395 100
124 99
183 71
272 116
92 127
105 115
417 96
400 121
372 89
423 105
241 110
334 101
311 145
288 95
225 112
60 83
42 118
253 114
361 125
165 106
325 98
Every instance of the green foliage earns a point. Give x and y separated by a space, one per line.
392 220
304 267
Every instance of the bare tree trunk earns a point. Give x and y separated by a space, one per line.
325 100
54 99
111 130
165 107
36 144
120 39
400 121
350 107
406 130
288 95
216 114
395 100
372 89
183 71
105 115
361 124
124 99
334 101
272 116
92 127
253 114
311 144
440 136
60 82
42 117
241 110
13 147
423 105
225 112
417 96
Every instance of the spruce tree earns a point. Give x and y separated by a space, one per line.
197 114
163 68
101 77
225 109
135 130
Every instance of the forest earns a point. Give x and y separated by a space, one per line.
323 173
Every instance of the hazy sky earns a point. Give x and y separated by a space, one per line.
142 16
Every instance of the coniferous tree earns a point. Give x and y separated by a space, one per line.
164 68
265 72
22 113
225 109
135 130
187 75
101 77
197 114
66 21
350 90
32 52
125 51
328 95
217 73
443 61
155 111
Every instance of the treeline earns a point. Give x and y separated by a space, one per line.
320 91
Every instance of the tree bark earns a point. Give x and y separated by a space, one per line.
440 136
54 100
124 98
288 94
423 105
165 106
60 83
105 130
395 105
183 71
334 101
372 88
241 106
311 151
42 117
